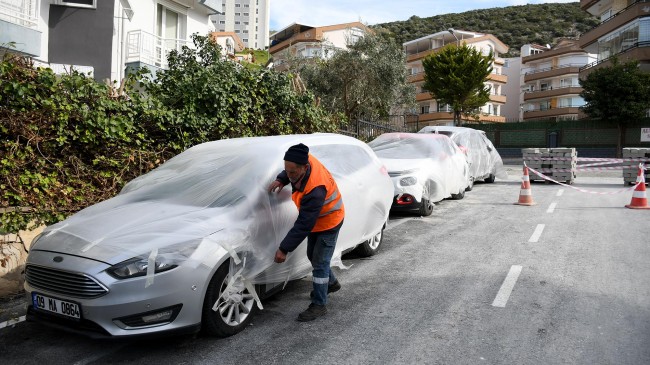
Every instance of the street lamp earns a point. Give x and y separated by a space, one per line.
452 31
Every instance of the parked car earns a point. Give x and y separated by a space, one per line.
484 160
425 168
191 244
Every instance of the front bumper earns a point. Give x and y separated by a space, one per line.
182 286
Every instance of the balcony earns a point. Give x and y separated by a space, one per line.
423 96
550 72
438 117
616 21
639 51
552 92
551 112
501 99
149 49
416 77
19 25
498 78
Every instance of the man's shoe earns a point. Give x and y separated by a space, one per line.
314 311
330 288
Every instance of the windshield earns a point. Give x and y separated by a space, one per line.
409 147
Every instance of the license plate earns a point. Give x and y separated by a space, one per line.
57 306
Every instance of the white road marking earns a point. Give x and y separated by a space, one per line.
506 288
12 322
551 207
538 232
560 192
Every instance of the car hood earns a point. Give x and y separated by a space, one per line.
135 229
403 166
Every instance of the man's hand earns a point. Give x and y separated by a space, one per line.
275 185
280 256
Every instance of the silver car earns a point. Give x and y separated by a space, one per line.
191 244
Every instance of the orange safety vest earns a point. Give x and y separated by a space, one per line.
333 212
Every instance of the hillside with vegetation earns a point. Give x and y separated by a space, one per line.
513 25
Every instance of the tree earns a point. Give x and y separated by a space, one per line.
212 98
456 76
619 94
367 79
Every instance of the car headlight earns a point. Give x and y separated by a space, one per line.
138 266
408 181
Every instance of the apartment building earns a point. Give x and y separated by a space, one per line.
103 37
430 111
249 19
300 40
550 80
624 32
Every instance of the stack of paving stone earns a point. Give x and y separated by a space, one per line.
567 160
630 173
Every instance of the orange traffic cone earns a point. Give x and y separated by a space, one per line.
525 194
639 199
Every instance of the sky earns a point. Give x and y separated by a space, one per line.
329 12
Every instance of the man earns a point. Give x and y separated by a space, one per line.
320 217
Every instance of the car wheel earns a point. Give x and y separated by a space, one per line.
490 179
371 246
470 184
459 196
426 208
234 311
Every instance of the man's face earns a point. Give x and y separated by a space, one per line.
294 171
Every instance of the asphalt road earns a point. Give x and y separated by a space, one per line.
480 281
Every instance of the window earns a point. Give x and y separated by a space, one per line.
245 23
245 40
246 5
424 109
238 5
92 4
237 22
245 31
237 31
237 14
257 11
222 22
246 14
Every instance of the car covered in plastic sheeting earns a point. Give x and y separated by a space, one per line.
191 244
425 168
484 161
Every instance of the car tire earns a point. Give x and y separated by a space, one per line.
234 314
459 196
426 208
470 184
371 247
490 179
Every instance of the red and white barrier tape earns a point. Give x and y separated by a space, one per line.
588 159
581 168
583 190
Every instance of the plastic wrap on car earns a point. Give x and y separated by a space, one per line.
211 202
434 160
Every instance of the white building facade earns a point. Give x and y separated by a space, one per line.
249 19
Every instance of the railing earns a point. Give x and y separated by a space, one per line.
551 108
553 68
150 49
615 15
550 88
21 12
632 46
